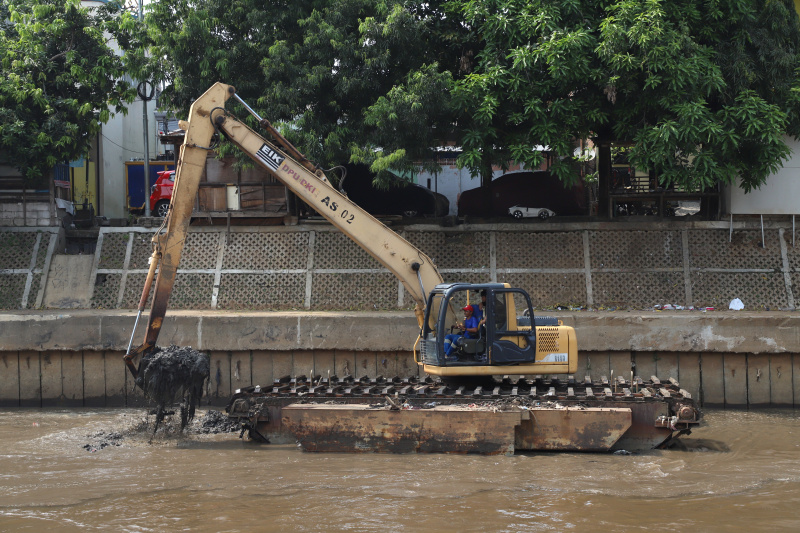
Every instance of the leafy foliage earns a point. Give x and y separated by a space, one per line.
704 89
314 68
60 79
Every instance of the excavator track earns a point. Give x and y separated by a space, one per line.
656 412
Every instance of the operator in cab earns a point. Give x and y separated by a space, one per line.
469 330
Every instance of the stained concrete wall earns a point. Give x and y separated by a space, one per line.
75 358
58 378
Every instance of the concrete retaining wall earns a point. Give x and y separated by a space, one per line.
75 358
232 279
99 378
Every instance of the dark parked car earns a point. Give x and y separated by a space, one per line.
407 199
537 189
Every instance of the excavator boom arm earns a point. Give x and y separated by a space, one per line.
410 265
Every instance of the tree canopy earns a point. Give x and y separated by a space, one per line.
705 90
315 68
59 79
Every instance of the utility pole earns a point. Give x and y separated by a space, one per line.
142 90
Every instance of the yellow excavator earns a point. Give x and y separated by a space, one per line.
510 339
509 336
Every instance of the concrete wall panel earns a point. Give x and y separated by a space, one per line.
645 364
345 363
183 330
387 364
406 366
713 379
72 379
241 369
77 330
366 364
620 363
282 364
780 380
303 364
325 363
735 380
758 375
115 372
597 365
584 362
51 378
94 379
667 366
97 378
262 369
219 385
9 379
689 373
30 379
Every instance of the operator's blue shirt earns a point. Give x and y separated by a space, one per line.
471 322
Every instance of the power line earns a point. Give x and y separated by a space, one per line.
120 146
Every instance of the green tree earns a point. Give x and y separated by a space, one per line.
195 43
315 68
368 81
705 90
59 79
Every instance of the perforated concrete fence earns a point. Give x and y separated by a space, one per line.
321 269
24 262
318 268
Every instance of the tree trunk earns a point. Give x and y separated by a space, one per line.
486 184
603 156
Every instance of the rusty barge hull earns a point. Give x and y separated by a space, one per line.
409 416
453 429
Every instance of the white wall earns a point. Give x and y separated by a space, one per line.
451 182
780 195
121 141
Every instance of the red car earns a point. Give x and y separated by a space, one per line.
161 193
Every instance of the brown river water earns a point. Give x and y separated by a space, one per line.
740 472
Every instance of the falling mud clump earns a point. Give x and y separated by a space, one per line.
174 375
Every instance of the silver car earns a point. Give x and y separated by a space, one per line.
526 212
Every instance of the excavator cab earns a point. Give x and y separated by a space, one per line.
510 335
